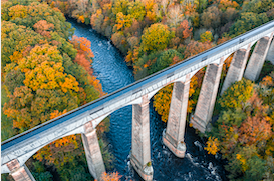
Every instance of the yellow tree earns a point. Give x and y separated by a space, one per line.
156 38
206 36
43 70
122 21
162 101
212 145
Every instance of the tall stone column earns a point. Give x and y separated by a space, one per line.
257 59
207 97
92 150
174 135
19 173
140 143
270 54
236 69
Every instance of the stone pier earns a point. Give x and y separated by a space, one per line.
174 135
257 59
270 54
140 143
236 69
92 150
207 97
19 173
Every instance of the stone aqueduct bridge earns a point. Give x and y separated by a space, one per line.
18 149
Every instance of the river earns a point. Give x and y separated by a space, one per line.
110 68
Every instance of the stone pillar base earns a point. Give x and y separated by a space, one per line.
179 151
146 172
19 173
198 123
22 174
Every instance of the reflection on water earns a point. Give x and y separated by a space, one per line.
110 68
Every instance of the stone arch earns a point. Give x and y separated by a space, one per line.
181 79
23 158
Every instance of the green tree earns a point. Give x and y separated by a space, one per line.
156 38
247 22
14 40
63 45
256 169
40 173
14 79
165 59
33 13
258 6
29 109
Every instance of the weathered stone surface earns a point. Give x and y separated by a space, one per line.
93 153
270 53
236 69
179 151
140 142
174 136
257 59
207 97
19 173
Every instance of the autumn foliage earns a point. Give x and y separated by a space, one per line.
110 176
212 145
54 150
44 74
245 128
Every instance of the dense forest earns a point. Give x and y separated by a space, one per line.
44 75
152 35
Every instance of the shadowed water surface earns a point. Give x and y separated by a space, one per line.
110 68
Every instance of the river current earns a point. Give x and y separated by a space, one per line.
109 67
